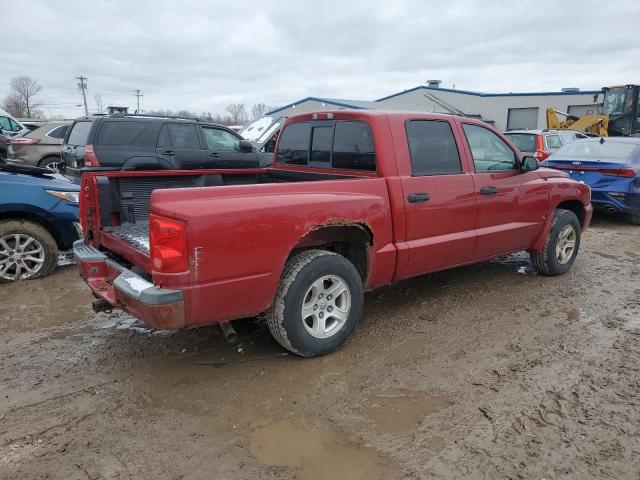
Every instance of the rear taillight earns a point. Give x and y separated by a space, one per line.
540 153
23 141
619 172
90 159
168 245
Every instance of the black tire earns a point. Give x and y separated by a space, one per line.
285 318
634 218
45 162
10 227
546 261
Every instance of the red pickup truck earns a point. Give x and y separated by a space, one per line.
353 201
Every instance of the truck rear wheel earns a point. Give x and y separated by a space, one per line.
318 303
561 246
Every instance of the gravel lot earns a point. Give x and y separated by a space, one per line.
480 372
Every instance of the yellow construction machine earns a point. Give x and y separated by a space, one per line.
620 115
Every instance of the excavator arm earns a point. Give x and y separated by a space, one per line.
595 124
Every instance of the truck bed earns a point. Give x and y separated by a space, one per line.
135 234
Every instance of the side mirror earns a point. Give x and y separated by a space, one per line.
245 146
529 164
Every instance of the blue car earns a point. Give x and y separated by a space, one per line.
610 166
38 218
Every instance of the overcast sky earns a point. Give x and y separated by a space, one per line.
204 55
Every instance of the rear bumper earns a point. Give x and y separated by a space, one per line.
628 202
158 307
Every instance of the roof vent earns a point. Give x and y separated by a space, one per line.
570 89
434 83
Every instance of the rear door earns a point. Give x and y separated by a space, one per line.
179 144
510 205
438 198
223 149
76 140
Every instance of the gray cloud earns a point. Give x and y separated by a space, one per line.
203 55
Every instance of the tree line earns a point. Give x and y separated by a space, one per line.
22 102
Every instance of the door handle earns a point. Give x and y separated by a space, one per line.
418 197
488 190
214 155
168 152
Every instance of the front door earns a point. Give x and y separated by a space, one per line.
223 150
438 199
503 223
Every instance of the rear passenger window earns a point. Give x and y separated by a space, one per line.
58 132
79 134
120 133
294 144
184 136
353 147
552 141
433 148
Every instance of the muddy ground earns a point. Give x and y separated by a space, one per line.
481 372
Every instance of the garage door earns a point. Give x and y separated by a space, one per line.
580 110
522 118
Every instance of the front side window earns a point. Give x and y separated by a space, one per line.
220 140
294 144
79 134
432 147
184 136
4 123
490 153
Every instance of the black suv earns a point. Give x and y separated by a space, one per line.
140 142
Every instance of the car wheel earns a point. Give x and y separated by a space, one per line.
318 303
27 251
634 218
561 246
54 164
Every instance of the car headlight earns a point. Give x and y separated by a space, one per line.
67 196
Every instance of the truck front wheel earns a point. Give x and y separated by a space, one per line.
318 303
561 246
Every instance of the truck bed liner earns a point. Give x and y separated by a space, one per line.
135 234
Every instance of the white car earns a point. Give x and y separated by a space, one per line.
9 127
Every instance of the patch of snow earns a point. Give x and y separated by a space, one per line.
137 284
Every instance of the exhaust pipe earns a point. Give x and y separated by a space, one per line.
100 305
228 332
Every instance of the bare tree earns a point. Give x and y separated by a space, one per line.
25 89
97 98
258 110
13 104
238 113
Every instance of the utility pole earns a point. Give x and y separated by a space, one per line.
138 95
82 85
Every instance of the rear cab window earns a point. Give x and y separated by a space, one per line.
79 134
339 144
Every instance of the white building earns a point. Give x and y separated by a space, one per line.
504 110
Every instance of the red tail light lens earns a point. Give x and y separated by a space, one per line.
24 141
540 152
90 159
619 172
168 245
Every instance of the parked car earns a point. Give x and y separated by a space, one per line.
9 127
139 142
263 133
610 166
40 147
355 200
38 218
542 143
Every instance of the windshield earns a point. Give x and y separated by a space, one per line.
597 150
614 101
526 142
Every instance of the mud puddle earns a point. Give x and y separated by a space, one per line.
60 298
403 410
317 452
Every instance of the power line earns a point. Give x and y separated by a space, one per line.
82 85
138 95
